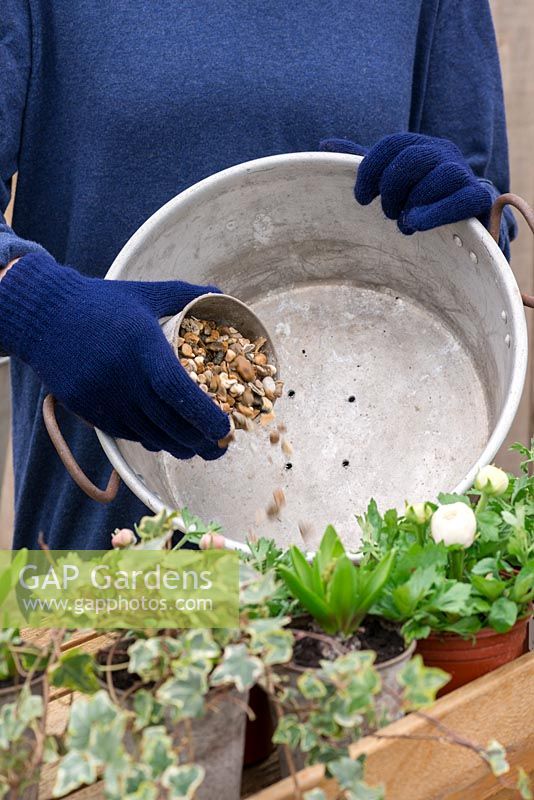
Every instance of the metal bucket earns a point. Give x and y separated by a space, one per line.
403 357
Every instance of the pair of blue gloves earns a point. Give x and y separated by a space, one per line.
98 347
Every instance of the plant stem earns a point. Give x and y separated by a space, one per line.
482 502
456 563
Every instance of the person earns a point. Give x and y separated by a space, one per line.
108 110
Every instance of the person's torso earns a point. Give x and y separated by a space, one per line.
131 102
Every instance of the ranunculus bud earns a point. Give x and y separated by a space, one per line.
212 541
454 524
418 512
491 480
122 537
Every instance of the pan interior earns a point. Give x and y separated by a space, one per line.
382 399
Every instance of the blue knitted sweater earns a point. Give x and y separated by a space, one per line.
107 110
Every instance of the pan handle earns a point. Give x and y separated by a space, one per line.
69 462
510 199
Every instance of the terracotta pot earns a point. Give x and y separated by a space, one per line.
467 659
9 694
259 731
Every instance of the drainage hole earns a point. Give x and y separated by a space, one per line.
345 462
291 393
352 399
289 465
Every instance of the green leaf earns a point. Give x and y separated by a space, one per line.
183 781
185 691
450 598
467 626
492 588
157 749
346 771
147 658
288 731
301 567
523 588
76 671
238 668
495 755
372 583
524 786
448 498
309 600
84 713
75 770
310 686
342 594
420 683
503 615
409 595
330 549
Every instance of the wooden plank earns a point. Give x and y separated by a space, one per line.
514 24
497 706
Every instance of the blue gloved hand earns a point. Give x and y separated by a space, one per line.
98 347
423 181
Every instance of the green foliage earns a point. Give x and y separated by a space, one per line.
420 683
76 671
337 593
489 584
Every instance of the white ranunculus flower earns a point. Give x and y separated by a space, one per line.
454 524
491 480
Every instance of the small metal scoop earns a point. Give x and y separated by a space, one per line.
224 310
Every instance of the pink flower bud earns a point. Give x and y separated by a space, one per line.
212 541
122 537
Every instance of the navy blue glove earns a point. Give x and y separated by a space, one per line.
423 181
98 347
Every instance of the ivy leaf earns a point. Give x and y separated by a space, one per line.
84 714
183 781
147 657
420 683
310 686
288 731
503 615
495 755
257 589
238 668
156 749
346 771
185 691
75 770
524 786
76 671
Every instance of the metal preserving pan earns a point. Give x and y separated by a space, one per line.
403 357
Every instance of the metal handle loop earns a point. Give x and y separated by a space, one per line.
69 462
510 199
